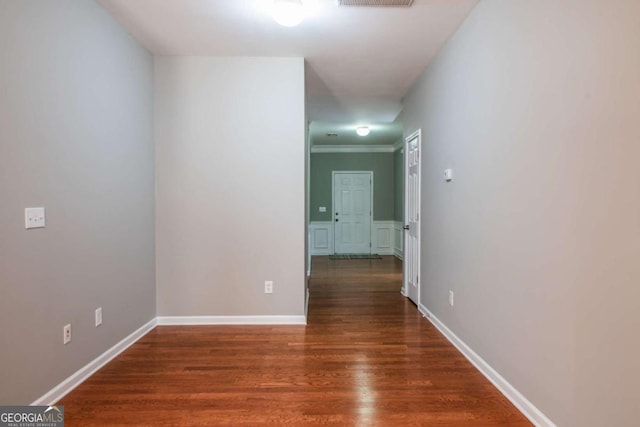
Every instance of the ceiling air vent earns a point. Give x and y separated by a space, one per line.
376 3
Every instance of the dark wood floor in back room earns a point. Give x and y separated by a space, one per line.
366 358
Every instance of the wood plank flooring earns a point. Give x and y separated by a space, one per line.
366 358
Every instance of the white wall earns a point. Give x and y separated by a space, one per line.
230 183
76 136
536 107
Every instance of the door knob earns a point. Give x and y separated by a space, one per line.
406 227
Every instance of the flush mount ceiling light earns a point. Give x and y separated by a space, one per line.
376 3
288 13
363 130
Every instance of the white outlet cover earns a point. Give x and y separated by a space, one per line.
448 175
66 334
322 209
33 218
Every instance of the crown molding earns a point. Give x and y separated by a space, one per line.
352 149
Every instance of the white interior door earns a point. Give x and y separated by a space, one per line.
411 281
352 212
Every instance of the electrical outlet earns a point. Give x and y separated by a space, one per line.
451 298
66 334
268 287
98 316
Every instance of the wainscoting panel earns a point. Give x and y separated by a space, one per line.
398 239
321 238
386 238
382 237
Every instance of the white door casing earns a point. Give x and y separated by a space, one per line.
352 212
411 278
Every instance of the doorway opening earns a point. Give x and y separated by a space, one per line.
356 202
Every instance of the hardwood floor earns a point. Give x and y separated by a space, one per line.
366 358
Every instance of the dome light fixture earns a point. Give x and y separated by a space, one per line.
288 13
363 130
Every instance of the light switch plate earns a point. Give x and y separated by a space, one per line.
33 218
98 316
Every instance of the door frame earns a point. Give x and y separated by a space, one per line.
333 203
415 135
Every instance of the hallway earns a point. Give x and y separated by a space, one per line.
401 371
366 358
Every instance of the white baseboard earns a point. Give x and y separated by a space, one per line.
53 396
527 408
231 320
65 387
62 389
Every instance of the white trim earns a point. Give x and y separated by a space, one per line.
320 239
231 320
307 197
309 254
405 265
398 239
65 387
527 408
352 149
58 392
306 306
